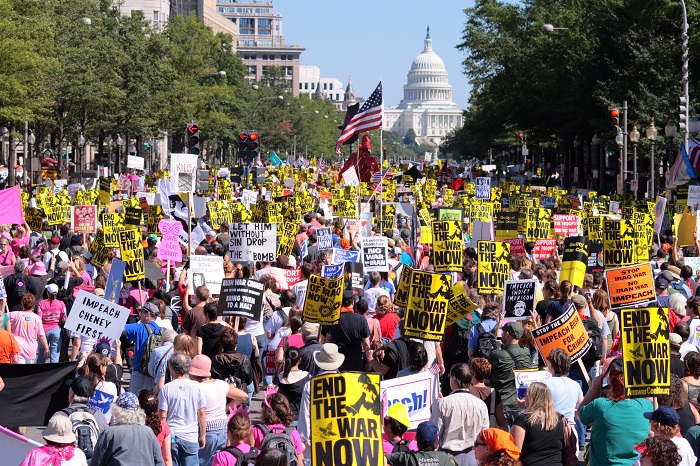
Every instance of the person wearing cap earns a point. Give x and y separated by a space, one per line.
496 447
675 342
328 359
182 404
138 333
614 416
396 423
127 441
60 449
351 334
309 335
427 443
52 312
511 356
54 252
664 423
89 268
79 394
662 293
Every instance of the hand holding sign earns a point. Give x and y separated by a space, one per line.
169 248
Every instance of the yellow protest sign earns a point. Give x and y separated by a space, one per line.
402 289
155 215
618 243
239 213
388 218
685 229
132 253
594 225
225 190
447 245
459 306
426 312
324 297
287 239
481 212
218 213
98 250
34 218
112 224
646 351
493 266
346 422
539 223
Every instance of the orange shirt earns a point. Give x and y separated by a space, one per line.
8 346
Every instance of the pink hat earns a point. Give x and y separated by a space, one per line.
201 366
39 269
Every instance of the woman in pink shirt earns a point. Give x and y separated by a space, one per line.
52 312
149 403
277 416
7 257
21 239
238 435
28 329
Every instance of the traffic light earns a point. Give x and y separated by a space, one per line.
194 143
253 145
243 146
683 115
522 138
615 117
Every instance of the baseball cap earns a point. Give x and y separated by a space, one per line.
661 283
675 339
664 415
81 387
87 255
579 301
514 328
151 309
55 240
52 288
426 433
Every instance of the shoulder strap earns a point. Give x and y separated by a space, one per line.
163 357
492 409
148 328
263 427
235 452
518 364
480 328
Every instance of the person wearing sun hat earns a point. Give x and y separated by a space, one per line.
60 449
427 442
127 441
496 447
396 423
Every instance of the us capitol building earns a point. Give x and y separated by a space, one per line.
427 105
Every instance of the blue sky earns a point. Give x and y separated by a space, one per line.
372 39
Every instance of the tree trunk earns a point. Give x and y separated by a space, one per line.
12 159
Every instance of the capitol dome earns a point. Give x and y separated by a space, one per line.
427 84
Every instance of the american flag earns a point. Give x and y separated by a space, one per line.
322 166
302 162
377 177
369 117
434 368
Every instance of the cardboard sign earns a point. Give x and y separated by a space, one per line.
131 249
447 245
346 419
415 391
402 289
544 248
595 258
154 216
507 227
631 285
169 248
388 217
565 332
94 317
618 243
324 297
332 271
341 256
241 297
205 271
183 171
460 305
218 213
324 238
567 224
112 224
105 191
375 254
426 312
3 291
84 218
255 242
525 377
519 298
493 266
517 245
132 218
483 188
575 260
115 280
135 162
646 351
98 250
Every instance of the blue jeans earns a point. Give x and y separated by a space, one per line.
576 375
53 338
140 381
184 453
216 441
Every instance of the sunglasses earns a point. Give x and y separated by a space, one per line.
479 444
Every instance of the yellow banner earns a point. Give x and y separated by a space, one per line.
493 266
131 249
447 245
460 305
324 297
646 351
618 243
112 224
426 313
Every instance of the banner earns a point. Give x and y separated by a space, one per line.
115 280
646 351
241 297
493 266
519 298
84 218
324 238
543 249
426 312
415 391
332 271
286 278
256 242
447 245
618 243
566 224
183 170
205 271
565 332
628 286
324 297
346 420
95 317
574 262
131 249
459 306
375 254
341 256
169 248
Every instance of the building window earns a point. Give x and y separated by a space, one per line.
264 27
252 69
312 86
325 86
264 57
283 57
265 43
290 57
290 71
301 86
306 86
156 18
247 26
331 86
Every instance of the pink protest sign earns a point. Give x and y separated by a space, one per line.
169 248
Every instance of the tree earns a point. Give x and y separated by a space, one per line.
410 138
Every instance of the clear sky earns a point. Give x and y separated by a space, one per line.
372 39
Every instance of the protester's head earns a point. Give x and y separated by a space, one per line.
686 272
460 376
329 358
565 290
658 451
275 410
238 428
59 432
348 298
540 407
682 329
396 422
292 357
148 401
691 364
525 274
228 339
480 368
600 301
81 390
664 421
309 331
210 310
558 363
427 436
661 285
200 368
496 446
383 305
168 335
417 356
95 368
375 279
287 298
678 396
616 384
361 307
28 302
127 411
202 293
491 311
184 343
19 266
306 271
179 364
271 457
677 303
693 306
512 331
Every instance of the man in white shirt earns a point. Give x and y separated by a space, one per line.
372 294
300 288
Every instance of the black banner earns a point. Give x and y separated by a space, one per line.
241 297
354 273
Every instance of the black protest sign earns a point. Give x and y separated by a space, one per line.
132 218
519 298
354 275
324 238
595 258
241 297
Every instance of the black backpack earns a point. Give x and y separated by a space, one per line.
399 445
243 459
596 338
279 440
486 342
154 340
65 293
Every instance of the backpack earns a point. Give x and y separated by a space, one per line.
679 286
399 445
85 428
596 338
279 440
65 294
155 340
243 459
458 344
486 342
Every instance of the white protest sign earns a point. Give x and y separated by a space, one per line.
694 196
324 238
255 242
693 263
350 177
416 391
248 196
375 254
73 188
94 317
135 162
150 197
659 209
524 377
183 170
207 271
483 187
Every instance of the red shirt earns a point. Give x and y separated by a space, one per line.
387 324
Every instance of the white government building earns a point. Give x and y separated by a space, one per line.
427 105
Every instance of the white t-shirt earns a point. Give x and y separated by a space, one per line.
694 338
372 295
684 449
182 398
105 395
300 292
687 348
565 393
215 393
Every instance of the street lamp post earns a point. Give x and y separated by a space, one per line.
120 141
81 145
670 132
595 142
620 141
651 133
634 139
685 78
31 139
